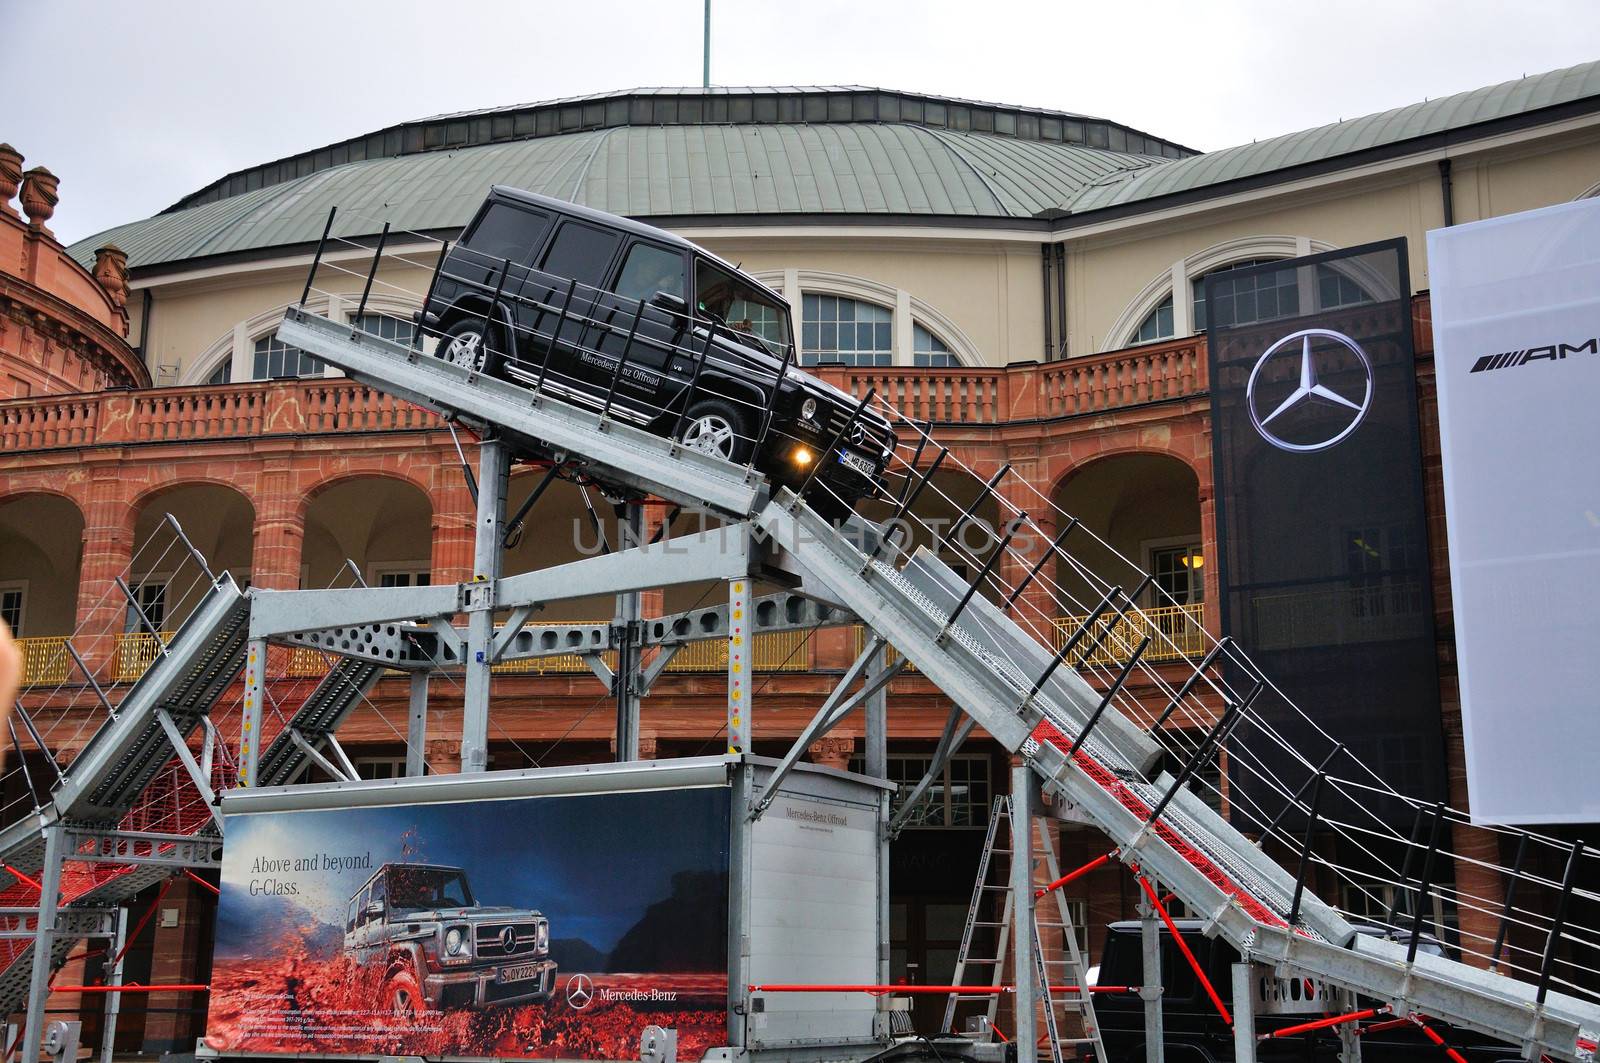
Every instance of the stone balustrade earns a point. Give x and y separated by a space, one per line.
220 411
1117 380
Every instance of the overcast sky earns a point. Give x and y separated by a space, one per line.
135 105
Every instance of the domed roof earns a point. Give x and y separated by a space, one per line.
664 154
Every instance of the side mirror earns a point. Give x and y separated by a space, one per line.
670 302
375 910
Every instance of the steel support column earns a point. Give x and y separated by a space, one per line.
877 764
108 1030
1022 936
1150 991
417 725
494 468
255 667
628 680
1244 1020
739 666
44 936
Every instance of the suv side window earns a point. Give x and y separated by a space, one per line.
581 252
353 916
650 269
506 231
377 894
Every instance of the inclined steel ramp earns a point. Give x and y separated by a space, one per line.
324 709
104 781
990 667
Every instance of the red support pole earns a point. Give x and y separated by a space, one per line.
20 877
131 987
1071 876
1183 947
1455 1057
1323 1024
197 880
892 989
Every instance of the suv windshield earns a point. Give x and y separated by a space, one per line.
748 310
414 889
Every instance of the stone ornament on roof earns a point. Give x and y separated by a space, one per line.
111 270
10 177
39 197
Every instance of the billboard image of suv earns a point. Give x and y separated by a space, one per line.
436 948
523 927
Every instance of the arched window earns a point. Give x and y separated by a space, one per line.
387 327
835 328
222 374
1262 296
929 351
275 360
1157 325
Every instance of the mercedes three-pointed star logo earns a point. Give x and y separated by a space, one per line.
1309 390
580 990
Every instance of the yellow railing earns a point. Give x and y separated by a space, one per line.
136 652
45 660
1176 632
890 654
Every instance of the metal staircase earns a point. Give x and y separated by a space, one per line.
1064 989
97 801
998 674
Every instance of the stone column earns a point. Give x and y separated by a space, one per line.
108 521
279 530
454 523
172 961
1036 606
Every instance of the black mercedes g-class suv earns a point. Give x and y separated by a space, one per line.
612 314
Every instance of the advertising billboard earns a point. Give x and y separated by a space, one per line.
1322 535
552 927
1516 326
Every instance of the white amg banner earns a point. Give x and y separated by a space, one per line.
1516 327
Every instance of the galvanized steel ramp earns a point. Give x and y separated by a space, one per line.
324 709
989 667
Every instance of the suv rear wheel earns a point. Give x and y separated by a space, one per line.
463 344
715 426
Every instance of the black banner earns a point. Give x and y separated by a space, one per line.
1321 529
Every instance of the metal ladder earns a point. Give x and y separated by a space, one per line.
1067 970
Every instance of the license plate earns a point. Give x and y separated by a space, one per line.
857 462
520 973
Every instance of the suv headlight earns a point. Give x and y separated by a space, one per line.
455 941
544 935
808 409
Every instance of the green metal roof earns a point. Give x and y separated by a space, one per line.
710 162
661 172
1394 127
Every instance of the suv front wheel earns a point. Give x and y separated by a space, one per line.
715 426
463 344
402 996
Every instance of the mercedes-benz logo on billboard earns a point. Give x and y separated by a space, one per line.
1325 433
580 990
508 938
